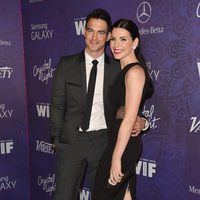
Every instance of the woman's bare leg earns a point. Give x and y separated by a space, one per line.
127 195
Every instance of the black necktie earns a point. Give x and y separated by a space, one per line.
89 97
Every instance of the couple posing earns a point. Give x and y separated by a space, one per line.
109 143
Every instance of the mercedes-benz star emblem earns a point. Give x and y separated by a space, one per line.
144 12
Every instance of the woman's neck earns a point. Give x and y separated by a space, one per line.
127 60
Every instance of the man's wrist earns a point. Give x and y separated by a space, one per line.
146 124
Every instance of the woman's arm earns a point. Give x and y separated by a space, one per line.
134 82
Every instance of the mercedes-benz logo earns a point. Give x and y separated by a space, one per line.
143 12
198 10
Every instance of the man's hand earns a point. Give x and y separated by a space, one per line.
53 142
139 125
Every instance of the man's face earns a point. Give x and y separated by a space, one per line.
96 35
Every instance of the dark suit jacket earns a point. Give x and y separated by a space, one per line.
69 94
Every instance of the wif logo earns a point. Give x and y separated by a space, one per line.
6 146
84 194
146 167
43 110
79 25
6 72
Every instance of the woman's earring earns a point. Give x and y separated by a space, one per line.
134 48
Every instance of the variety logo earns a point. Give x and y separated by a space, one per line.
198 66
45 72
84 194
5 43
6 146
44 147
79 25
146 168
7 184
41 32
195 127
6 72
193 189
149 114
5 113
198 10
43 109
144 12
48 184
153 73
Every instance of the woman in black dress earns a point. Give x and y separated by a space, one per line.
130 90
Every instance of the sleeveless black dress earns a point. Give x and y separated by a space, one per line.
131 153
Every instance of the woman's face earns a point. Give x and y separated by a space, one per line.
121 43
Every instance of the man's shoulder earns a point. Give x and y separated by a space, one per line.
72 57
113 62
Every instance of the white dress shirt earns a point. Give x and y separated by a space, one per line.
97 119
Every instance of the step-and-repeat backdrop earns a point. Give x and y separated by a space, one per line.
14 151
169 29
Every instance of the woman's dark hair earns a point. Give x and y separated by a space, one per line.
132 28
102 14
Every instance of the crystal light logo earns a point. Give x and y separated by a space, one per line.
43 109
44 147
41 32
48 184
144 12
195 127
79 25
84 194
5 113
198 10
146 168
149 114
6 72
45 72
198 67
7 184
6 146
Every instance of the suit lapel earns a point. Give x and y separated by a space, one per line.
106 78
83 74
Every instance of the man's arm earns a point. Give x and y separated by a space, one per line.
57 107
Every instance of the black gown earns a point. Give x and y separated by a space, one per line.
133 149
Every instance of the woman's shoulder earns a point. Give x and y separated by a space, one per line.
135 70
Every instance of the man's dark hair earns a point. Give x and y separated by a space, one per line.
102 14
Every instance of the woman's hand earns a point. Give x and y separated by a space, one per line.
115 172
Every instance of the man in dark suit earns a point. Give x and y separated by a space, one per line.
76 148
